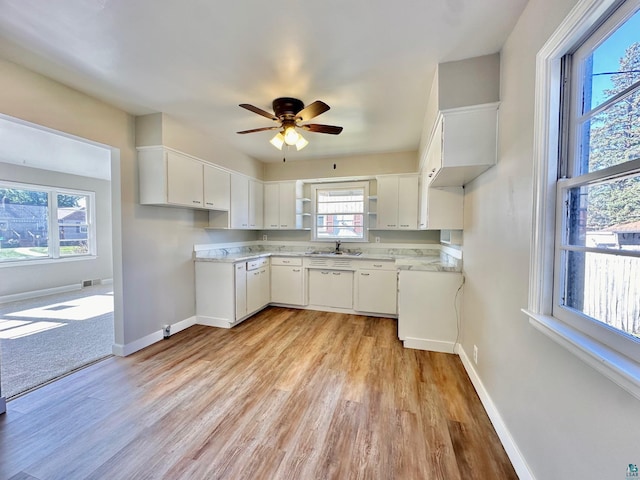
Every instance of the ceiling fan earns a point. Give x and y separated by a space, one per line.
288 112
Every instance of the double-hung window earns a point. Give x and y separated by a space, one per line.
586 247
339 211
40 222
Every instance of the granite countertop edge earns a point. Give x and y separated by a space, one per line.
432 263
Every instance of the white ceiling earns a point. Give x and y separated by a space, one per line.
372 61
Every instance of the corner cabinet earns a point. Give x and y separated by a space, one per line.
246 204
397 202
283 206
463 144
288 284
171 178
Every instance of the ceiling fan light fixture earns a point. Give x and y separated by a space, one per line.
277 141
301 143
291 137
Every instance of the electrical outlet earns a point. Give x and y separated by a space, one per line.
475 354
264 238
377 239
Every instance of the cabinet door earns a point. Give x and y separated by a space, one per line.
287 202
217 188
427 309
241 290
256 202
184 180
287 285
239 201
387 202
376 291
408 202
254 291
331 288
265 286
272 205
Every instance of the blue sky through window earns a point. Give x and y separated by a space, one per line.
606 58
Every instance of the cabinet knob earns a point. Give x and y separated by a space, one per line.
337 273
324 273
296 269
377 265
365 274
196 201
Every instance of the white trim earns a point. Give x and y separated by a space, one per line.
129 348
614 365
429 345
510 446
618 368
40 293
545 147
214 322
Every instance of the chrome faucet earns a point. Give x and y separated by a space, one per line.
338 246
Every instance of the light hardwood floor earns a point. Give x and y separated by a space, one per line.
288 394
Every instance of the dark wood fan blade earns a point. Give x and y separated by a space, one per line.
259 129
312 110
259 111
316 127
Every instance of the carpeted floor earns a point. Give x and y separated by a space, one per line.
44 338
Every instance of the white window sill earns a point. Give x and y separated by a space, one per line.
617 367
46 260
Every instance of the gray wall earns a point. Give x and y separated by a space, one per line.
568 420
40 276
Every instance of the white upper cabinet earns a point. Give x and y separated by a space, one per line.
281 205
172 178
463 144
246 203
256 204
217 188
239 202
397 202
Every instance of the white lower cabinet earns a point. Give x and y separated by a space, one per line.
258 285
331 288
221 294
376 291
287 281
241 290
427 309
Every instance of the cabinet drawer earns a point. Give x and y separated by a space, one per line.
376 265
287 261
257 263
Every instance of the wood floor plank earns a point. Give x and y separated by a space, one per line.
287 394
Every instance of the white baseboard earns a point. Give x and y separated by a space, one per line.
3 405
213 322
124 350
426 344
40 293
509 444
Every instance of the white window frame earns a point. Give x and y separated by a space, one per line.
597 351
338 186
53 225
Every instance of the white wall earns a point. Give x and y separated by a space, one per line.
567 420
38 276
153 268
355 165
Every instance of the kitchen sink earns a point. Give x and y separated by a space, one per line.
346 254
